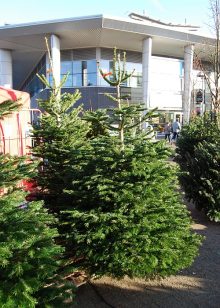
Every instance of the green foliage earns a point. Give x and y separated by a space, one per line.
29 257
7 107
114 191
14 169
199 159
199 129
128 118
59 132
126 217
98 123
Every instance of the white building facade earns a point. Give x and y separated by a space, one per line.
161 54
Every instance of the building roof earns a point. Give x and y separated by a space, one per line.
27 41
151 21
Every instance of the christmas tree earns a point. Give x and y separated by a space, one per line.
60 132
126 215
29 257
116 195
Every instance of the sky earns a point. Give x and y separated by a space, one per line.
195 12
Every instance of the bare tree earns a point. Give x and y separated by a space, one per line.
211 67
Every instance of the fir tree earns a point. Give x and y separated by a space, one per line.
60 131
126 215
117 200
29 257
198 151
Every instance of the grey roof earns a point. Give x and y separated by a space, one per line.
27 41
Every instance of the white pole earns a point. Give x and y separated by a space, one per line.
55 55
188 67
146 68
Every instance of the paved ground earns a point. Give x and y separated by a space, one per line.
199 286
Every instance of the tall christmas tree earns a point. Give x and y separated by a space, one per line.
29 257
126 218
118 212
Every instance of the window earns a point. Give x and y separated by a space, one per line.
83 70
91 73
77 73
69 81
105 66
66 67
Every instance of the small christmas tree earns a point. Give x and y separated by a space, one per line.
60 131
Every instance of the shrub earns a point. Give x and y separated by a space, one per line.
199 159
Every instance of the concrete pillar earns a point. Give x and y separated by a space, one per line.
98 60
6 68
146 70
55 55
188 67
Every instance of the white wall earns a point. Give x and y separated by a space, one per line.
166 83
5 68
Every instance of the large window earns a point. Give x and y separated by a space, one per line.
80 73
82 69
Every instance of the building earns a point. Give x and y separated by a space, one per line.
161 53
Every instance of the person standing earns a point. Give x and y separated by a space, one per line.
176 128
167 131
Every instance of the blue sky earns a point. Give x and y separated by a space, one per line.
22 11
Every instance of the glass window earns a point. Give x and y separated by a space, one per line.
138 68
66 67
77 67
77 80
33 83
77 73
139 80
84 73
105 66
34 86
130 67
181 63
134 81
69 81
91 73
